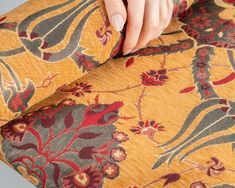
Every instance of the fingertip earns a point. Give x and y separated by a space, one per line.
117 22
117 13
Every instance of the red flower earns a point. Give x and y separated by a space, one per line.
104 35
215 167
201 22
120 136
78 90
87 178
148 128
15 130
154 78
110 170
118 154
197 184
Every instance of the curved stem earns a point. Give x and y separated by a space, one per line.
138 105
118 91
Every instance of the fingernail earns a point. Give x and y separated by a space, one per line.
117 22
127 52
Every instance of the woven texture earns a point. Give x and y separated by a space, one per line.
161 117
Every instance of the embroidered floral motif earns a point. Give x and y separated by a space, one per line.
118 154
83 157
78 90
148 128
154 78
120 136
110 170
89 177
197 184
215 167
15 130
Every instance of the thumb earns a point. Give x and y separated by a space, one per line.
117 14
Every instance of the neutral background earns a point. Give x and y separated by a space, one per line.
8 177
6 5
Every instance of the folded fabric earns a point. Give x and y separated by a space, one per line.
161 117
45 45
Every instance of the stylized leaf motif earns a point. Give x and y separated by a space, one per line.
162 159
59 141
86 153
225 80
218 140
221 125
48 122
233 145
170 178
231 59
89 135
68 120
208 120
224 186
26 147
15 97
129 62
215 121
56 174
191 117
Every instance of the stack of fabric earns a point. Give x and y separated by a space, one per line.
162 116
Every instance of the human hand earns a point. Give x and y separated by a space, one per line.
146 20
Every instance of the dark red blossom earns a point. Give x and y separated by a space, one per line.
78 90
104 35
89 177
15 130
110 170
120 136
118 154
201 22
148 128
215 167
154 78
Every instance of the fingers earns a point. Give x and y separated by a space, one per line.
134 24
151 23
117 13
165 16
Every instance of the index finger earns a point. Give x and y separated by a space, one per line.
135 17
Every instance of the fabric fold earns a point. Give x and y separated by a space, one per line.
163 116
45 45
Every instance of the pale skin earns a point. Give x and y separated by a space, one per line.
145 19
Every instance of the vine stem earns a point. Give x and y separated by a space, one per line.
152 182
189 66
231 170
138 105
118 91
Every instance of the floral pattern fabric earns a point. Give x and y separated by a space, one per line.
161 117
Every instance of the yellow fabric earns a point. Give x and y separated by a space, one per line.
46 76
130 82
